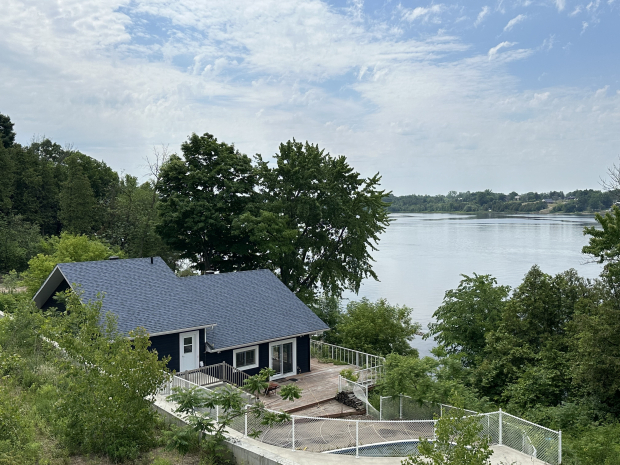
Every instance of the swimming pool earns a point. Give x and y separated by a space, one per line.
383 449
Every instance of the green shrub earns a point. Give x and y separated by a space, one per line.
348 373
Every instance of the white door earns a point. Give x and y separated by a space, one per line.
189 350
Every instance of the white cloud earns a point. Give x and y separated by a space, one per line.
560 4
118 78
483 14
584 26
514 21
423 13
578 9
493 51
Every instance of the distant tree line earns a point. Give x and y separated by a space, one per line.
587 200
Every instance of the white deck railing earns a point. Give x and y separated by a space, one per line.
319 349
212 374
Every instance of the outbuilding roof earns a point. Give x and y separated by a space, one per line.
243 308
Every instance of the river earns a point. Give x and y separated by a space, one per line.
421 256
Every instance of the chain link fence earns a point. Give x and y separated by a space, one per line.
393 431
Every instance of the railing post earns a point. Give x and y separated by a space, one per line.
293 435
560 447
434 430
400 406
440 410
245 427
501 439
217 413
357 439
380 408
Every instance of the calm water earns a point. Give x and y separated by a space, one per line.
421 256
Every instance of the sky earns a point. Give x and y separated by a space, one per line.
435 96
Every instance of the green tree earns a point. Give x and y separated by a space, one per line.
467 314
132 218
19 242
604 243
317 220
458 440
111 379
78 206
378 328
64 249
201 195
7 135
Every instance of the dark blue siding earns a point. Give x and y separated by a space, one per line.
168 344
52 302
303 353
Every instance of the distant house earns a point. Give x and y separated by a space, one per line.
548 200
570 197
248 319
517 197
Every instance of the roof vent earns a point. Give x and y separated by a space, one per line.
113 257
151 260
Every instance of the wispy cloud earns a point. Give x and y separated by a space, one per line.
514 21
560 4
493 51
482 15
421 12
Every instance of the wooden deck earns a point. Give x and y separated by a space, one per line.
319 386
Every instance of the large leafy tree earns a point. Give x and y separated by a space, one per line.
377 328
467 314
201 195
317 221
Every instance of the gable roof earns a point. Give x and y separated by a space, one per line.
246 307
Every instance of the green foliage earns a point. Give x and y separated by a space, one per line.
329 309
290 392
604 243
181 439
377 328
459 440
230 405
593 445
64 249
484 201
317 220
78 212
259 382
348 373
7 135
109 382
201 196
467 314
19 242
132 217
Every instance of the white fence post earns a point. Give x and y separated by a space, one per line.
400 406
434 430
293 435
245 428
500 428
560 447
357 439
217 413
380 408
440 410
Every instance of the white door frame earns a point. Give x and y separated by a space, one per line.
195 350
277 343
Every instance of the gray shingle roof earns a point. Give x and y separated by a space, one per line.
247 306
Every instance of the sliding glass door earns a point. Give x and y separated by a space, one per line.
283 358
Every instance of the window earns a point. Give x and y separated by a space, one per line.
245 358
187 345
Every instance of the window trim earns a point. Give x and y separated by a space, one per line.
246 349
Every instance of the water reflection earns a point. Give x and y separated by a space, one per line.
421 256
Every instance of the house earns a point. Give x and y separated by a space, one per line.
247 319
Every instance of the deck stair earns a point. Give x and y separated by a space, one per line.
215 375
